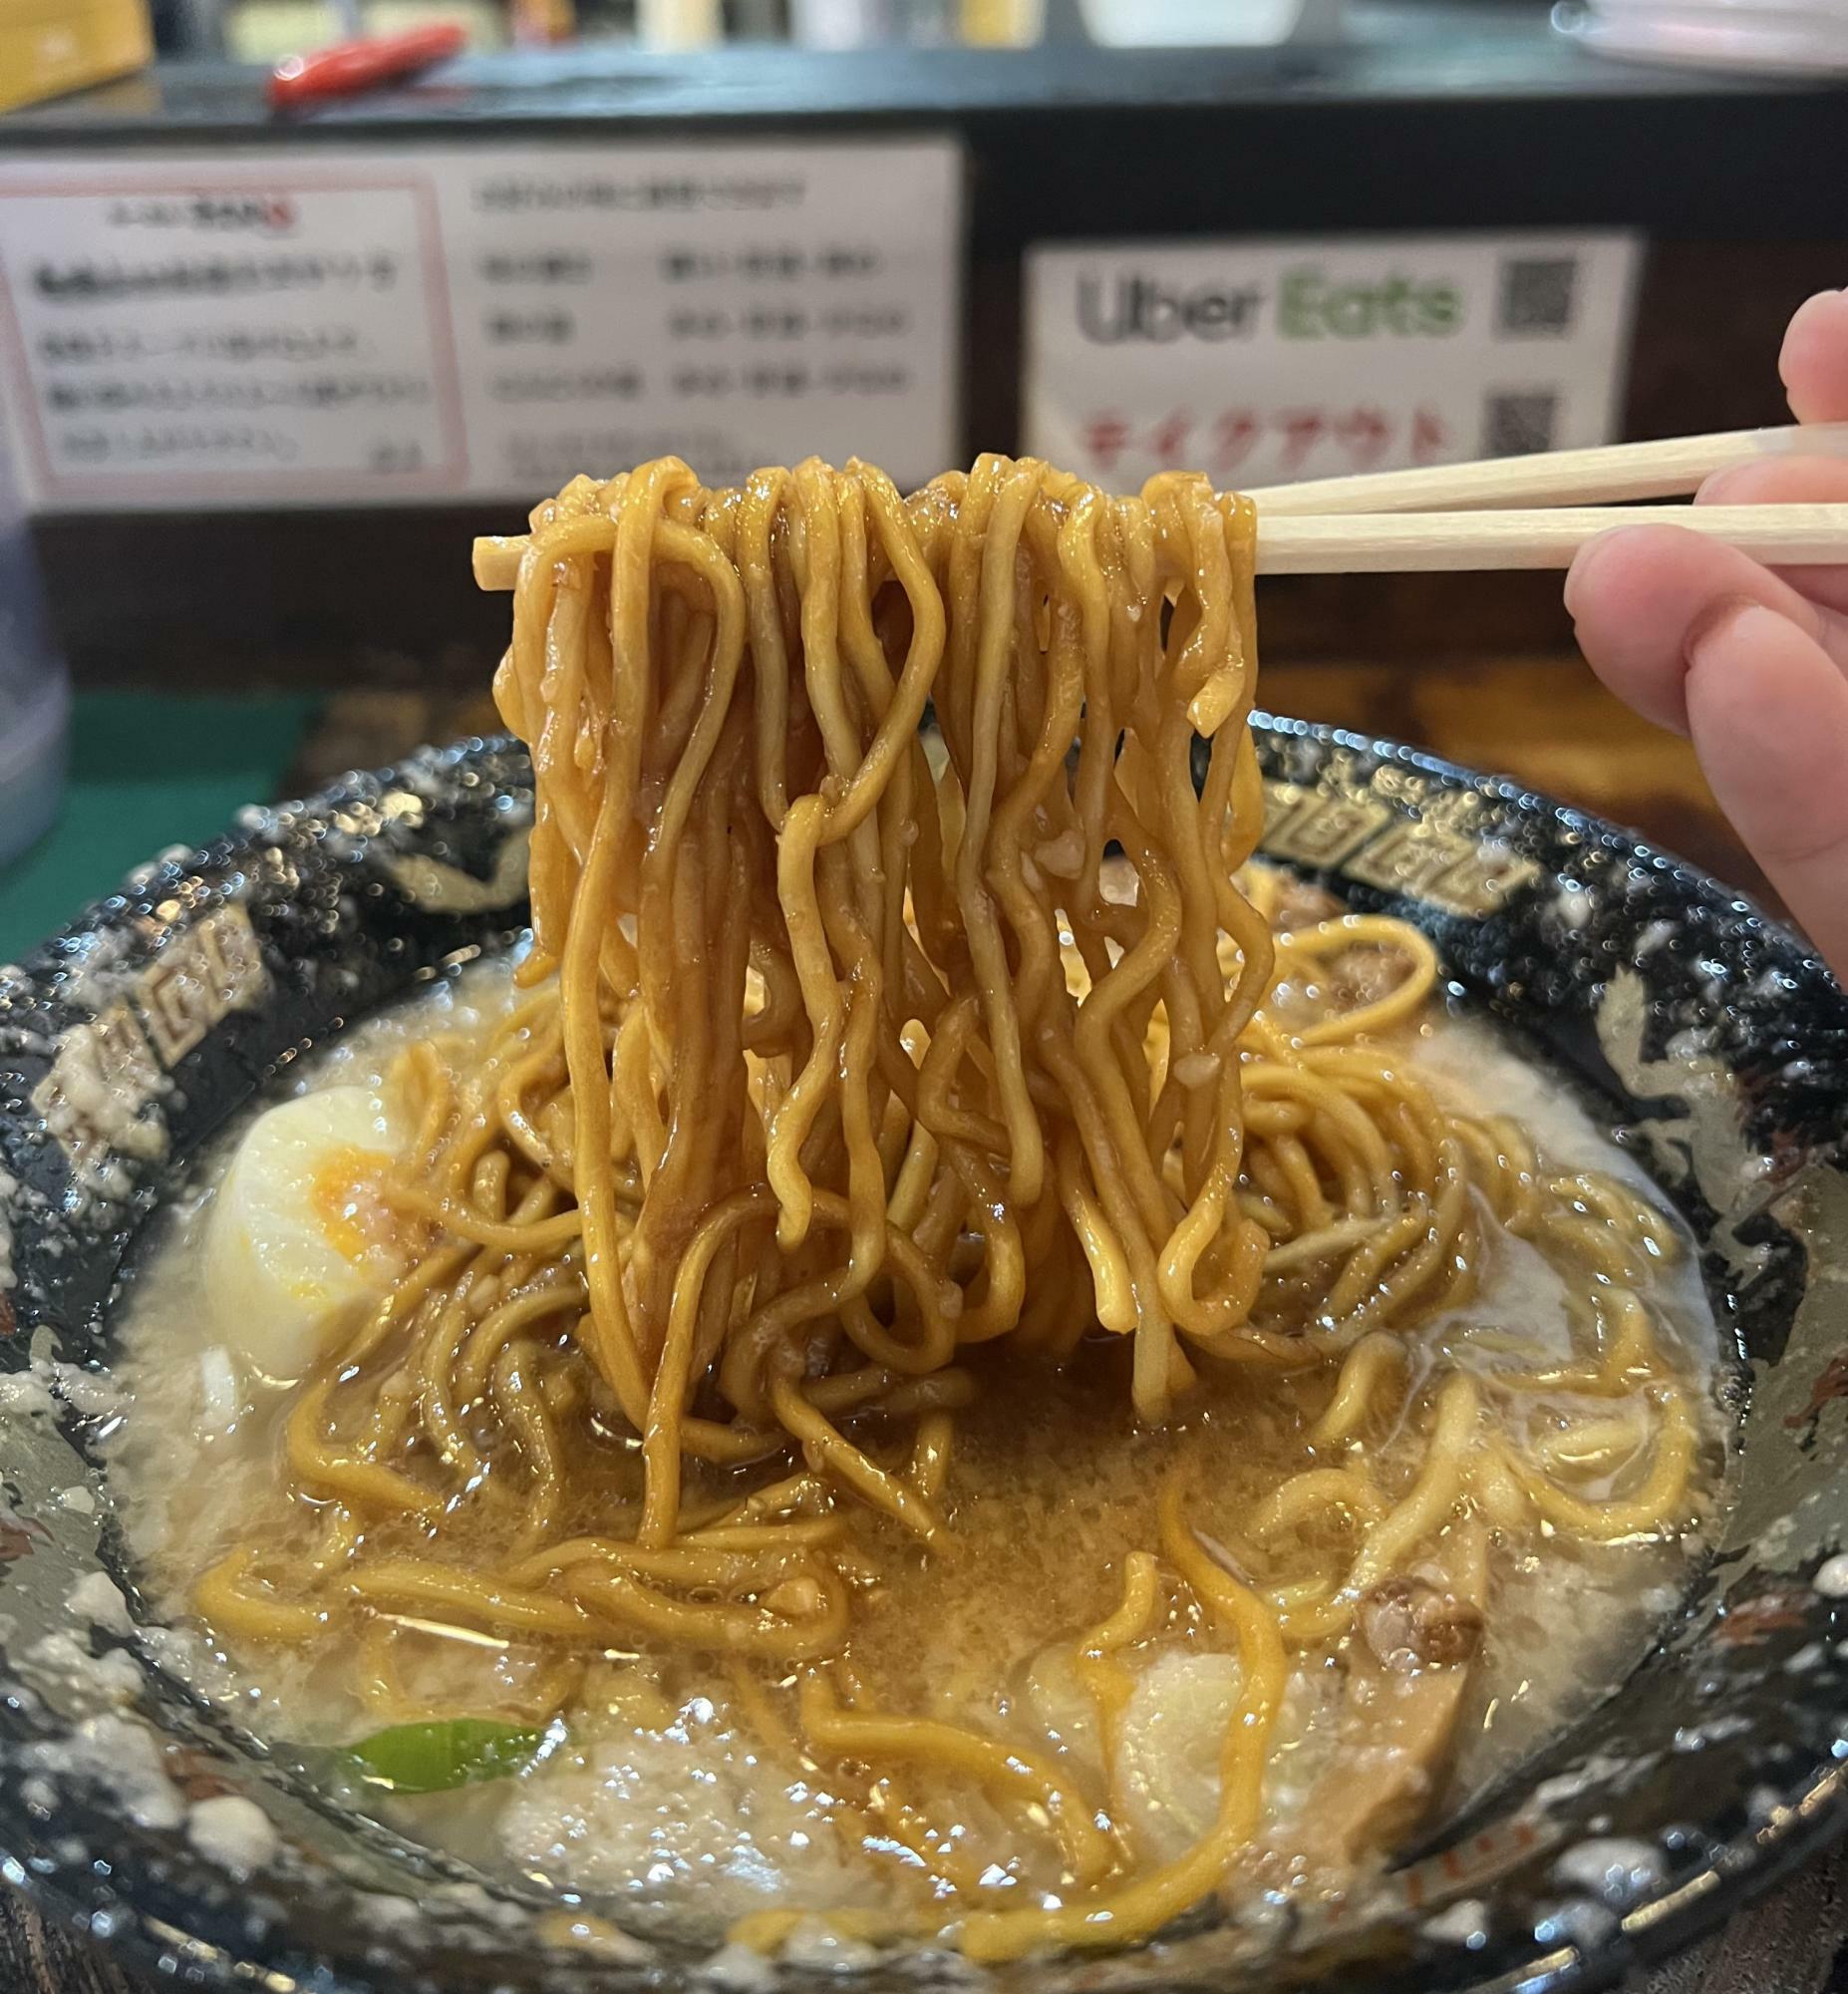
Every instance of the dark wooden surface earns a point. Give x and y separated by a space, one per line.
36 1958
1541 719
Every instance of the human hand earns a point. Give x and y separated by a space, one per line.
1750 664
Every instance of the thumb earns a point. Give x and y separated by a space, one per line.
1767 709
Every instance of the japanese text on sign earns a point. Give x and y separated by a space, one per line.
421 322
1262 362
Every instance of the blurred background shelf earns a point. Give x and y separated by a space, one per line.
1461 118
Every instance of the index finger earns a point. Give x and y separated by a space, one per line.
1789 481
1814 362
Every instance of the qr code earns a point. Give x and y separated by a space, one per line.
1519 425
1538 295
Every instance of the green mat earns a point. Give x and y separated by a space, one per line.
147 769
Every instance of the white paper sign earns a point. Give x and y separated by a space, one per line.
380 326
1260 362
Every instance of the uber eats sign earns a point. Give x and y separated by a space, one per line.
1262 361
1306 303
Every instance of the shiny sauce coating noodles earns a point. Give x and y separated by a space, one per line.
906 1045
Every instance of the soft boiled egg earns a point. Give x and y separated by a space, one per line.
301 1237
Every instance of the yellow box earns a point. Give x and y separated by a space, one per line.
50 46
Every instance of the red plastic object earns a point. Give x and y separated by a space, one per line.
351 66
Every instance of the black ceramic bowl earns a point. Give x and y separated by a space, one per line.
1714 1040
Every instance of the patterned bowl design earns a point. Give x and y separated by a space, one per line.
1711 1038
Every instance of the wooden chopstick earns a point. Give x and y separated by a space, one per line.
1384 544
1388 542
1606 474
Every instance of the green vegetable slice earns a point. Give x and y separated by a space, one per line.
437 1758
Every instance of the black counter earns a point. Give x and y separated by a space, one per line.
1422 116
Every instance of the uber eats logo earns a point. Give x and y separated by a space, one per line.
1307 304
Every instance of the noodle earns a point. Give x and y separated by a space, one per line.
845 1051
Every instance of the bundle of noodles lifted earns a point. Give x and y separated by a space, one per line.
930 1190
